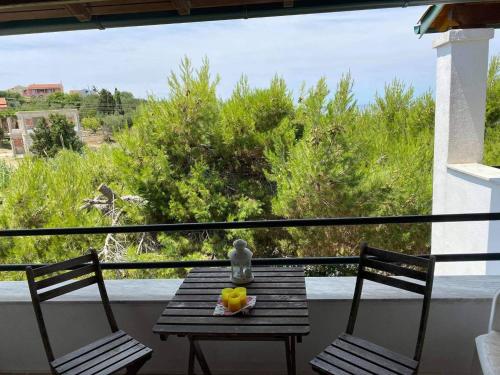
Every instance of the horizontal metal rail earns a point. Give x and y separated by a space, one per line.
306 261
254 224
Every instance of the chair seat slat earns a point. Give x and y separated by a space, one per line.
56 292
108 355
96 352
327 368
87 348
402 359
360 362
124 357
145 352
72 274
383 358
343 364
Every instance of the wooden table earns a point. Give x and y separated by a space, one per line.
280 314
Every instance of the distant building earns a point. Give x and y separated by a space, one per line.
3 104
20 135
5 121
43 89
82 92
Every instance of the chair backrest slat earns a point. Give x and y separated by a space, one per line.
390 264
78 272
390 256
67 288
397 283
70 272
62 266
395 269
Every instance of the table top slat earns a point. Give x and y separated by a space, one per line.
250 287
254 269
254 292
209 330
254 312
268 298
209 275
259 280
281 308
235 320
261 305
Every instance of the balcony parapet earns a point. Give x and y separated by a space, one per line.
459 312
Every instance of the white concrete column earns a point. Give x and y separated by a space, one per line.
461 77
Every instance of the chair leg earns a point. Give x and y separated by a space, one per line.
288 357
476 365
191 358
134 368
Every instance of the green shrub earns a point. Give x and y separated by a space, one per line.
91 123
114 123
50 193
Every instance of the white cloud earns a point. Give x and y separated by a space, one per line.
375 46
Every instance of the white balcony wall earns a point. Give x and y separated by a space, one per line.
459 312
460 183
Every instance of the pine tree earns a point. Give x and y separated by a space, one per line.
63 133
106 104
118 103
42 140
51 136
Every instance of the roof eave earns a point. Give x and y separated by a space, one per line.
424 24
198 15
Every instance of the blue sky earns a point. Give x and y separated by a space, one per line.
375 46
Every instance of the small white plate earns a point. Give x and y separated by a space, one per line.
221 310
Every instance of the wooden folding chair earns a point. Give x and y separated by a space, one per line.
348 354
108 355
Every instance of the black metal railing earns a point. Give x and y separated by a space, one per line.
191 227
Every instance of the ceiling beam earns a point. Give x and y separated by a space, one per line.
80 11
4 4
183 7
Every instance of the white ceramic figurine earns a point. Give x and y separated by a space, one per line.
241 263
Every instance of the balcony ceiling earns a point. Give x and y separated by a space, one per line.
36 16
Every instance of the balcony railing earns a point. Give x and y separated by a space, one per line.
460 304
256 224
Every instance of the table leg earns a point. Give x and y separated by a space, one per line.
292 355
288 357
191 359
199 355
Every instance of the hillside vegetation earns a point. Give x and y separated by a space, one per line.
260 154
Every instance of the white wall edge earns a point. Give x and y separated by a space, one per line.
477 170
318 288
463 35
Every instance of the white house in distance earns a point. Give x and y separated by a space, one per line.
461 183
20 136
